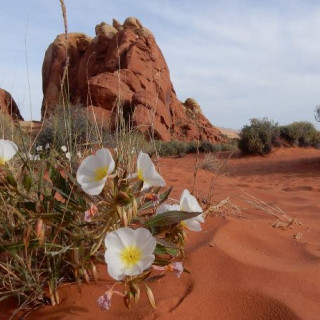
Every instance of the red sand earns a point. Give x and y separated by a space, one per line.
242 268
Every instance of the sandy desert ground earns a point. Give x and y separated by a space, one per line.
242 267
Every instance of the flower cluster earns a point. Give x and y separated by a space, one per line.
148 229
99 210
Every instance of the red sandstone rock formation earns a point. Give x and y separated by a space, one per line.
123 65
9 106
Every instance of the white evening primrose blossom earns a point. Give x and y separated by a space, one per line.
129 252
68 155
94 171
64 148
188 203
33 157
147 172
7 150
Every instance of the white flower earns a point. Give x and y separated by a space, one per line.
147 172
7 150
167 207
47 146
39 148
129 252
94 171
68 155
33 157
188 203
64 148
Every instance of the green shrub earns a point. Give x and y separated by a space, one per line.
300 133
172 148
70 126
259 137
180 148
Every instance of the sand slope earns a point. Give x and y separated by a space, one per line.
242 267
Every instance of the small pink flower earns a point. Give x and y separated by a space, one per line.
89 214
104 301
177 268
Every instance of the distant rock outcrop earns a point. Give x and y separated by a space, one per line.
9 106
123 64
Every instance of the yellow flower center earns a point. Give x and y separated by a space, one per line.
2 161
100 173
130 256
140 176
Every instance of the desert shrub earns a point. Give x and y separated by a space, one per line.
181 148
214 163
70 126
258 137
172 148
300 133
210 147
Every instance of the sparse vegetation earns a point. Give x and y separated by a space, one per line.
71 126
262 135
180 148
212 162
259 137
301 134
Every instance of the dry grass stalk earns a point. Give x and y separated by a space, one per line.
284 221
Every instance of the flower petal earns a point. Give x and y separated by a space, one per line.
106 159
147 171
120 238
7 149
192 225
167 207
93 188
114 266
94 170
189 203
145 241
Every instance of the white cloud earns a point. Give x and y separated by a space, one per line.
239 58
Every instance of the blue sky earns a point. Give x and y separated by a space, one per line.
239 59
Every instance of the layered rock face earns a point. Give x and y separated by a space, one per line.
9 106
123 65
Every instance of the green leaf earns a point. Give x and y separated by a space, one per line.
11 180
27 181
165 243
169 218
155 278
160 250
164 196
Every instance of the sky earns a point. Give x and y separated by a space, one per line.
240 59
